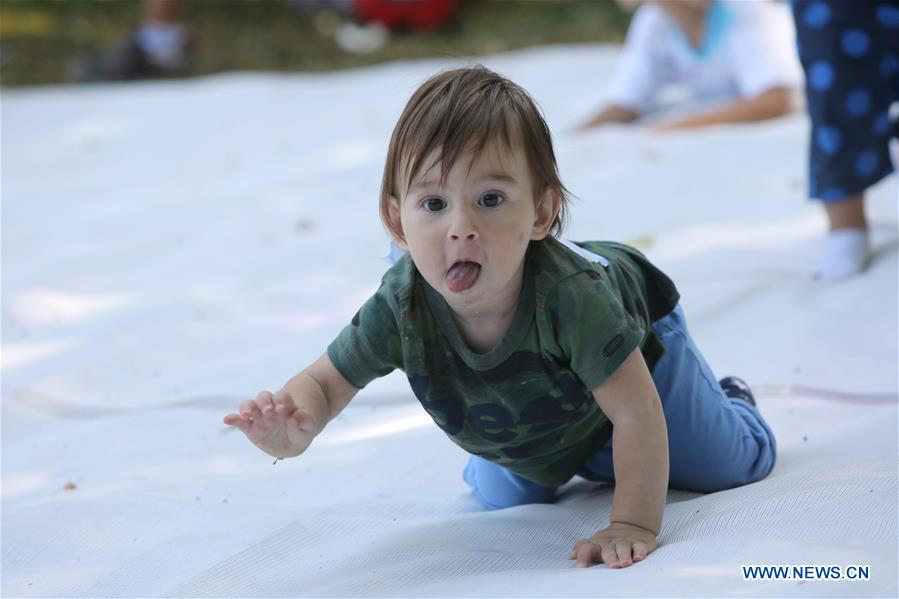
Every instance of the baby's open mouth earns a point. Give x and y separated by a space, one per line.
462 275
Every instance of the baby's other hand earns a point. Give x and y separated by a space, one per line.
619 546
275 424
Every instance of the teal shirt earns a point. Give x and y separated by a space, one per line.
526 404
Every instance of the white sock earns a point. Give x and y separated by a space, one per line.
845 254
163 42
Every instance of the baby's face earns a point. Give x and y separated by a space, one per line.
468 237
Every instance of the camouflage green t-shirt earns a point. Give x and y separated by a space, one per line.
526 404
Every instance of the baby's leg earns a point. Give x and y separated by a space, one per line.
498 488
715 442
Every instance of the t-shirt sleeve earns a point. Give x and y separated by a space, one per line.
369 347
638 75
592 328
762 48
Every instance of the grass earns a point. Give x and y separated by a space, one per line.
40 38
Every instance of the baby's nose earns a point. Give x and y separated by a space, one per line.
469 236
463 226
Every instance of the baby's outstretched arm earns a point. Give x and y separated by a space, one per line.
611 113
640 459
283 424
771 103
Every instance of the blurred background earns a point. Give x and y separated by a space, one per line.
54 42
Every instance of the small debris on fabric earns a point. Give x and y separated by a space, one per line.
651 154
69 486
804 438
304 225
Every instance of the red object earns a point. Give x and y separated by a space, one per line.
414 14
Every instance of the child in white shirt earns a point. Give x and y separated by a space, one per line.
738 59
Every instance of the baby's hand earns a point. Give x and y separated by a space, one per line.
619 546
274 424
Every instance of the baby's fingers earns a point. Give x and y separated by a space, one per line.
623 551
265 404
283 403
249 410
238 422
641 550
585 553
608 555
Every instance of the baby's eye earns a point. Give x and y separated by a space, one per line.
434 204
491 200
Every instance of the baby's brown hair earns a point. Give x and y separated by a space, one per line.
462 109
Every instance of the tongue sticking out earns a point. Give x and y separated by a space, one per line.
462 275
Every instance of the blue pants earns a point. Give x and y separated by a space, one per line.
850 53
715 442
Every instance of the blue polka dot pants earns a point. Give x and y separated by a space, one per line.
850 52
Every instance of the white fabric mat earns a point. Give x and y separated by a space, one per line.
169 249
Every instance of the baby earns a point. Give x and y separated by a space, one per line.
737 59
544 359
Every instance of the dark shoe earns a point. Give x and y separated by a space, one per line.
128 61
736 388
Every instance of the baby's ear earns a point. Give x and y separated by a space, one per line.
395 223
547 209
